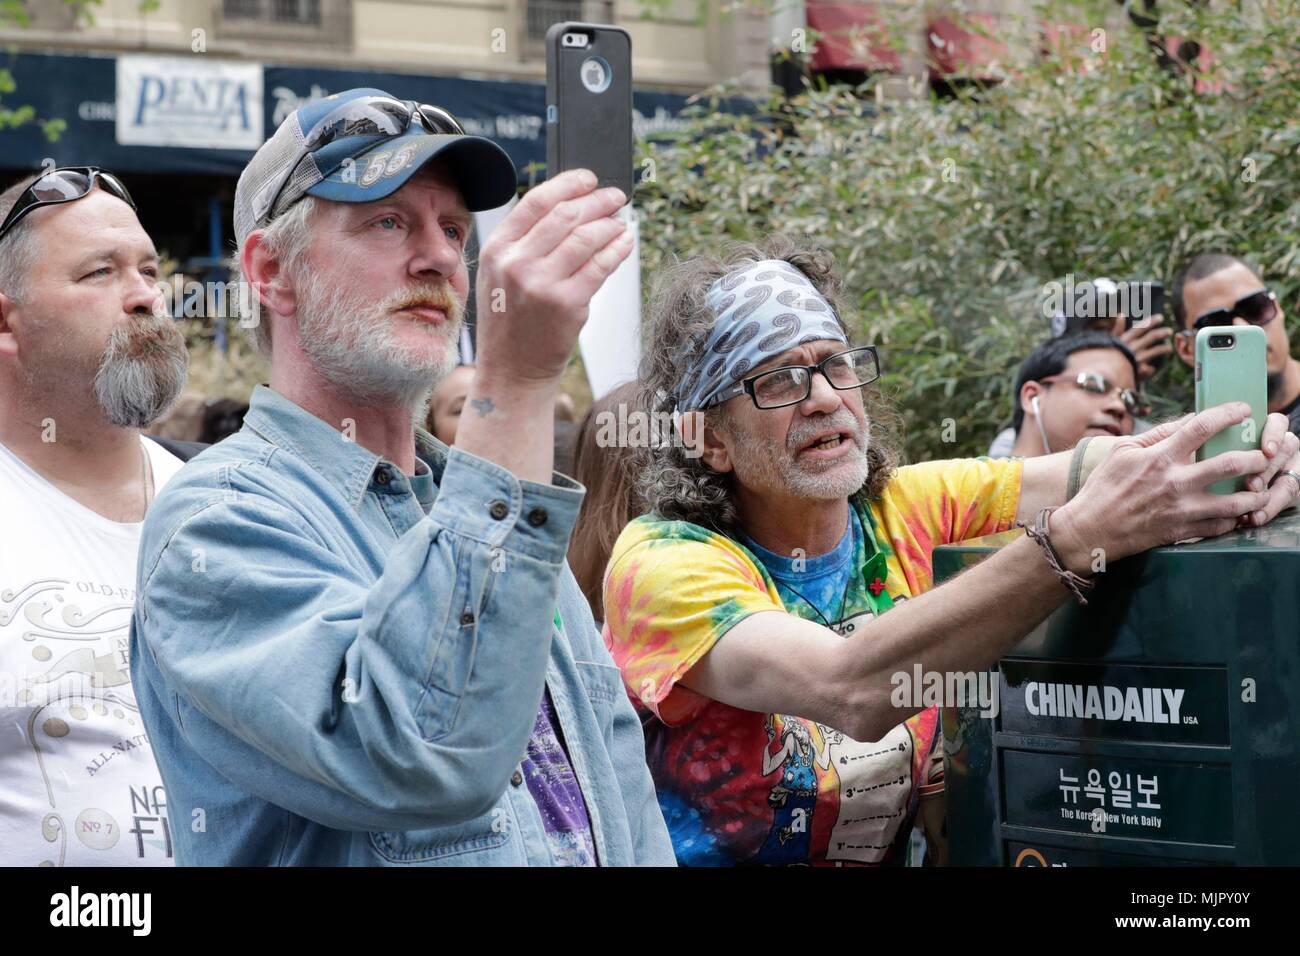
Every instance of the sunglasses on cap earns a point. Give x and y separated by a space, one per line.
1098 385
368 116
378 116
1258 308
65 184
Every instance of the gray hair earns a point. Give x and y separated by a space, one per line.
286 238
142 372
678 486
20 248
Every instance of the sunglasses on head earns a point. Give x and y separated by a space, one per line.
379 116
65 184
1258 308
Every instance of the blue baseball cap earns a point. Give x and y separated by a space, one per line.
360 146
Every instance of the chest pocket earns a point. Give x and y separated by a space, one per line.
474 843
604 686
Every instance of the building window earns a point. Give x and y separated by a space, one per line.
306 12
541 15
243 9
295 11
291 21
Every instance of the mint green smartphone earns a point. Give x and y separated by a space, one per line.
1231 367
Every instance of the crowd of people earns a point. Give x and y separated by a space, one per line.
1109 360
375 624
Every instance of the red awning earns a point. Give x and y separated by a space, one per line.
958 51
1071 45
1203 65
853 37
1065 40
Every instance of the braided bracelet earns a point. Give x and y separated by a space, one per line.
1038 533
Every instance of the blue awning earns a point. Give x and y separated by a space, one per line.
82 91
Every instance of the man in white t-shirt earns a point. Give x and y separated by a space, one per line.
88 357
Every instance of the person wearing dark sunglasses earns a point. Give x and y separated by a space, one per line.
1217 289
1073 387
386 660
88 359
774 609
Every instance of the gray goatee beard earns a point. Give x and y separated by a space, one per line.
142 371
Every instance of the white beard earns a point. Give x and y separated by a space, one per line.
764 469
354 346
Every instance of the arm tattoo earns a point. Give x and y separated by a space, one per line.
483 406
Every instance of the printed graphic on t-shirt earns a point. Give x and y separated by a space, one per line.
739 787
78 781
875 780
77 733
555 789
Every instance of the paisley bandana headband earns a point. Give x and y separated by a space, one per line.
760 311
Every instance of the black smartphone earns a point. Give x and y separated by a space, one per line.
589 102
1145 299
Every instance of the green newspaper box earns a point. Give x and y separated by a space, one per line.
1158 725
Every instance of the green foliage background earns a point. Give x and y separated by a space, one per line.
1123 170
17 13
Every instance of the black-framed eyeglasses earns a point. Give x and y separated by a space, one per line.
380 116
1098 384
791 384
1258 308
65 184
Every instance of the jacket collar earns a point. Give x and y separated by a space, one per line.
343 463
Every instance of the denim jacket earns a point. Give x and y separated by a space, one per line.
332 671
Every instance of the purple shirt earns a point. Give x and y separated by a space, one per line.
556 792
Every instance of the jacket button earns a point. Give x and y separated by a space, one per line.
537 517
467 618
516 778
498 509
382 476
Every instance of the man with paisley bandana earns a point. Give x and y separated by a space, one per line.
768 609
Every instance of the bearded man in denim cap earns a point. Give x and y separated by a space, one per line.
354 645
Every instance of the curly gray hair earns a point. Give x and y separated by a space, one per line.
675 485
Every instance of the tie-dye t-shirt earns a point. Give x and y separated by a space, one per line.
740 787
